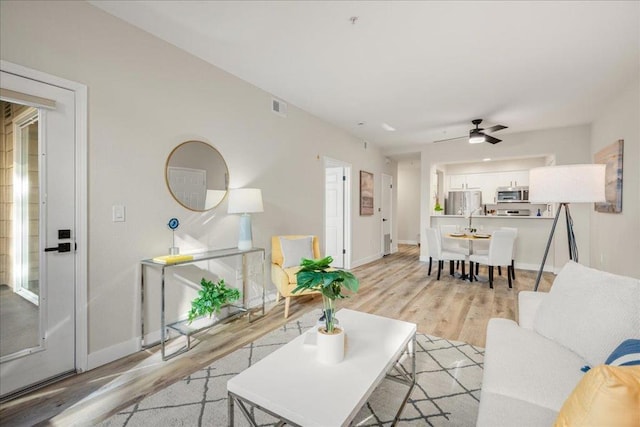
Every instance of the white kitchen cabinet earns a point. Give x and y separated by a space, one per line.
457 182
471 181
513 178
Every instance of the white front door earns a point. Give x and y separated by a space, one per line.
387 189
39 262
334 215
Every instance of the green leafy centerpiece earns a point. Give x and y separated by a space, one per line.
317 275
211 297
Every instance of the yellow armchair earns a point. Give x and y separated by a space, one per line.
283 271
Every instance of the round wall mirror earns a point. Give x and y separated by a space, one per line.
197 175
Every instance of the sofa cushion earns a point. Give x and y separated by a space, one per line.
293 250
527 366
626 354
497 410
606 396
590 311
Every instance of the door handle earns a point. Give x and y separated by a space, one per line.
62 247
384 219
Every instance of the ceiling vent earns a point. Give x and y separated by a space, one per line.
279 107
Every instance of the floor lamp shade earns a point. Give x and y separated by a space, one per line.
567 184
245 201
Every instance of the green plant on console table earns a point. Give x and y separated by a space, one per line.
211 297
317 275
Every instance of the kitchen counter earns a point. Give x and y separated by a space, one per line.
493 216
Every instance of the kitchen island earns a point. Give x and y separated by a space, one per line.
533 233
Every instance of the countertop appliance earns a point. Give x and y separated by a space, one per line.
512 194
514 212
462 202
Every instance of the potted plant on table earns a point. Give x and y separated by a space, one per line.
317 275
211 297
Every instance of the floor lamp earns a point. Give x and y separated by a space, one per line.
565 184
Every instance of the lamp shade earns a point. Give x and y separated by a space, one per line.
567 184
245 200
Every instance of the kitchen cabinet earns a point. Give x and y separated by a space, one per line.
466 181
487 182
513 178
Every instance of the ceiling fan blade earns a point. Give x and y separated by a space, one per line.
450 139
495 128
491 140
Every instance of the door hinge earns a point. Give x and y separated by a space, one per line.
344 252
344 177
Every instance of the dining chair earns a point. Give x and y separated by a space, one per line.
513 256
482 248
436 253
451 245
500 253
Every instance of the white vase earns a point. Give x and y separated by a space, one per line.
330 347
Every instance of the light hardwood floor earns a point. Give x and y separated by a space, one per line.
395 286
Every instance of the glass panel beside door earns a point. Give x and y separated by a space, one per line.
20 331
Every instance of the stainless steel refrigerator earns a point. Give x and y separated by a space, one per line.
462 202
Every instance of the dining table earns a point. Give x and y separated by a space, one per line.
469 238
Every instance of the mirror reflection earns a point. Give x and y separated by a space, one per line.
197 175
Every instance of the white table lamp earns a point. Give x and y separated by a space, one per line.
566 184
245 201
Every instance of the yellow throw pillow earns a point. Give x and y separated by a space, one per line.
606 396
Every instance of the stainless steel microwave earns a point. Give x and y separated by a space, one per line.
512 195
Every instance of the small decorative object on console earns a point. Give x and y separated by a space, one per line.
173 224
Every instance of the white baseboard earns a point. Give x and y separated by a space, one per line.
408 242
115 352
366 260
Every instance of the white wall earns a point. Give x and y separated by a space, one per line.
146 97
408 202
569 145
616 237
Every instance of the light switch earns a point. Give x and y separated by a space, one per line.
118 213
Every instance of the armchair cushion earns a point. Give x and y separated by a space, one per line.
293 250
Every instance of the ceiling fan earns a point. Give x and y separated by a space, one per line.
479 135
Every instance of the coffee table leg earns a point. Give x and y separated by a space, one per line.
230 409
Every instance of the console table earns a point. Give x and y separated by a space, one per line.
182 326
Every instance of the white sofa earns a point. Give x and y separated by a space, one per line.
531 367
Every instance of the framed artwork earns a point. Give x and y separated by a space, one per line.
366 193
611 156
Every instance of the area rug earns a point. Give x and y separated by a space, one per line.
447 391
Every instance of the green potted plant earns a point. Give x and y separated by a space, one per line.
211 297
317 275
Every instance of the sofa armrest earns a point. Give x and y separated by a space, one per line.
528 303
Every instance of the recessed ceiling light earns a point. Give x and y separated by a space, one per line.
360 123
486 159
388 128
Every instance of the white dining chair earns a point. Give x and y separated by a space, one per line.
436 253
500 253
452 245
482 248
513 256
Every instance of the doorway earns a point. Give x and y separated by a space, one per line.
42 276
337 241
386 214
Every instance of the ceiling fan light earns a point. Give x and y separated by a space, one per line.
476 137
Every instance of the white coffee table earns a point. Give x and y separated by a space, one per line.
292 386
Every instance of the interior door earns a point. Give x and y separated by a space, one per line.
39 223
387 188
334 215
